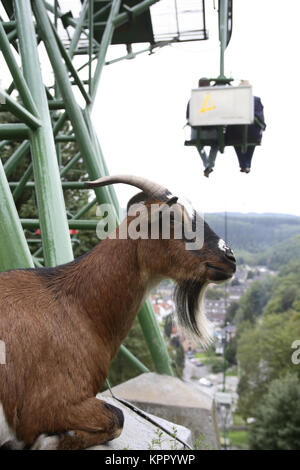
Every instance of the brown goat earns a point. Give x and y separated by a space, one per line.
62 326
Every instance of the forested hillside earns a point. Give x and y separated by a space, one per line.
266 239
280 254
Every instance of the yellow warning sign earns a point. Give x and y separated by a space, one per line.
208 104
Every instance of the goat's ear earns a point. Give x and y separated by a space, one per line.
137 199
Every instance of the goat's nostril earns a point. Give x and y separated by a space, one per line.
229 254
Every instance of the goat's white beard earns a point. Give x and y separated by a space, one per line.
204 326
189 298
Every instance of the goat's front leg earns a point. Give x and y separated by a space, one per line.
87 424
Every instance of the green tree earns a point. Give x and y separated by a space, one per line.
231 312
264 354
253 302
286 290
230 352
277 417
281 253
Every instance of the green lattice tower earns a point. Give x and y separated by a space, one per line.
29 23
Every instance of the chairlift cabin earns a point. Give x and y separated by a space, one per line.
220 114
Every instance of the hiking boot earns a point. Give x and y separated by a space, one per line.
207 171
245 170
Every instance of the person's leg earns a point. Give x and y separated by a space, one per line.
203 156
248 156
211 160
244 158
240 156
212 156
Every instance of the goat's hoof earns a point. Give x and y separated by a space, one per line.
44 442
13 444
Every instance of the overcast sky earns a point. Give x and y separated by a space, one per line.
140 112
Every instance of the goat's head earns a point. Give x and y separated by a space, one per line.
192 263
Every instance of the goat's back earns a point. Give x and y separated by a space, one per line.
53 354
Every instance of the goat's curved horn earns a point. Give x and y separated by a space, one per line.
151 189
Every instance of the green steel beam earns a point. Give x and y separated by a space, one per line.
223 14
56 104
8 6
70 164
8 25
91 36
19 111
69 20
73 224
49 96
64 184
12 35
13 131
14 249
21 152
133 360
37 263
59 124
11 88
54 227
55 12
78 29
154 340
86 64
22 183
59 13
4 143
70 66
86 208
85 51
19 80
105 43
101 12
102 165
65 138
24 149
72 108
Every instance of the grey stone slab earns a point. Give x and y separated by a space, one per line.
172 399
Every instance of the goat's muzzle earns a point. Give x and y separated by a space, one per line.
223 268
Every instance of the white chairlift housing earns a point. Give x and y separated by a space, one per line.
221 105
